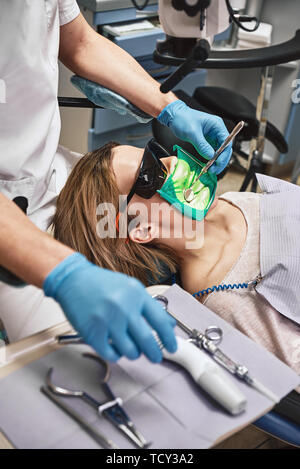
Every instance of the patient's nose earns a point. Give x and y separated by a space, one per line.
169 163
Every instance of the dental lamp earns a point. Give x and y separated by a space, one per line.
190 26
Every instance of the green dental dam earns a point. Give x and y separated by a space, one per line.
185 176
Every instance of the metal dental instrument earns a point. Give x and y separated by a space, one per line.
224 145
207 374
189 193
207 342
111 409
97 436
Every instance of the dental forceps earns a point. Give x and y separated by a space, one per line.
209 342
111 408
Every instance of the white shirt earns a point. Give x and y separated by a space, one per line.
29 113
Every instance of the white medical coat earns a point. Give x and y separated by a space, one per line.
29 113
31 163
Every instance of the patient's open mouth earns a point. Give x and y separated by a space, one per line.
190 188
190 194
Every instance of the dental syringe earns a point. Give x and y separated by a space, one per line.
202 341
207 374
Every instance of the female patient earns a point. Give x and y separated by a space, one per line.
229 252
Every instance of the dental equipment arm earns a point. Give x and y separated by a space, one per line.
91 56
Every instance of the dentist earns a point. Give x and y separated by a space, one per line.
112 312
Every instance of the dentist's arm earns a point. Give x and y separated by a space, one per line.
25 250
112 312
92 56
98 59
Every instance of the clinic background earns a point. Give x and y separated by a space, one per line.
79 124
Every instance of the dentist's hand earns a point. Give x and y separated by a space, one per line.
112 312
205 131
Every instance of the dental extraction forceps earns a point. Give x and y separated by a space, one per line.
209 341
111 409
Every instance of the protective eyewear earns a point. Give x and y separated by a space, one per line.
151 174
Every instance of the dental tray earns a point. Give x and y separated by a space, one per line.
163 401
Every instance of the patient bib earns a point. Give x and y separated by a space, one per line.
280 245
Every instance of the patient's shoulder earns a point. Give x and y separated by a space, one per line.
234 196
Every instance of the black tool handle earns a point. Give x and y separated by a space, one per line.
5 275
198 55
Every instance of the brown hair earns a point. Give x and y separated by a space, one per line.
92 182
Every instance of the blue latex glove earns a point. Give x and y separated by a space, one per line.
205 131
112 312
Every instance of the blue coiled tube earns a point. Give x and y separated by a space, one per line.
220 287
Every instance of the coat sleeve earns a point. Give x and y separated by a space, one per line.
68 11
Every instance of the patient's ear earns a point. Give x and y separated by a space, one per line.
144 233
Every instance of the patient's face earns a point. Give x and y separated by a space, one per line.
126 162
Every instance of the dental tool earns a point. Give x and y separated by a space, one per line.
97 436
202 368
209 341
224 145
111 408
207 374
189 194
